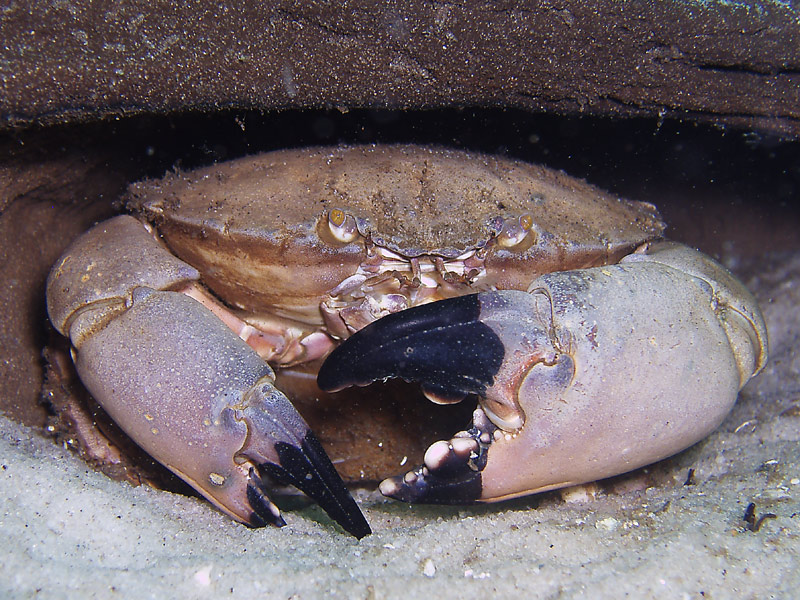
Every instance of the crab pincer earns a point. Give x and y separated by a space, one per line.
182 384
589 374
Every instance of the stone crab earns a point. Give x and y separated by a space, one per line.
592 346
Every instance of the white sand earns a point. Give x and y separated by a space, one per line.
68 531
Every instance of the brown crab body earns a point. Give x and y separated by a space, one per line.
300 249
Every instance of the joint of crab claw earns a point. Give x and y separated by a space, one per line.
735 307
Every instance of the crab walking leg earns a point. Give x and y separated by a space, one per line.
184 386
589 374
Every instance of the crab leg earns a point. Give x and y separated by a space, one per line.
589 374
181 384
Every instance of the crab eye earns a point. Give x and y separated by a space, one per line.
342 225
515 231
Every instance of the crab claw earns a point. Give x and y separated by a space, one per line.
589 374
186 388
202 402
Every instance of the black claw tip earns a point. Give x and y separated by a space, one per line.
264 511
464 488
309 469
443 344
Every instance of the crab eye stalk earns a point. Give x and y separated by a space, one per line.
515 231
342 225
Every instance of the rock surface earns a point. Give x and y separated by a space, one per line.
727 62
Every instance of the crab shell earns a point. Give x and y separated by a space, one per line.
259 229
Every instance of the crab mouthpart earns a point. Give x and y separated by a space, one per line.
388 282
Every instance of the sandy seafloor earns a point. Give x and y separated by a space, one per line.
70 532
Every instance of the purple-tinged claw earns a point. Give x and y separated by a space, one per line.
446 348
202 402
181 384
590 374
304 464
